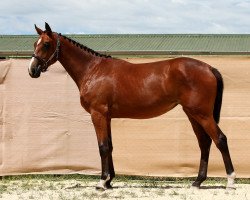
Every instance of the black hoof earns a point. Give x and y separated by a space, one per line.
196 184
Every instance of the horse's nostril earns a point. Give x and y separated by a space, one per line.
33 70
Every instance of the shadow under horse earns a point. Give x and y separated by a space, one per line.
114 88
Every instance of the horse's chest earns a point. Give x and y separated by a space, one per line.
88 98
92 97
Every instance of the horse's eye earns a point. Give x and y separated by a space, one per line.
46 45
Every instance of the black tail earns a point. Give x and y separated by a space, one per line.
218 99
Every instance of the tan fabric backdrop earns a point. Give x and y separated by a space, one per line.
43 128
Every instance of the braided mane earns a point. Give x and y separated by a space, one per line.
85 48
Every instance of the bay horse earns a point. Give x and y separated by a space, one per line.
114 88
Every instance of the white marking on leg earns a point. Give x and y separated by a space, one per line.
102 183
230 180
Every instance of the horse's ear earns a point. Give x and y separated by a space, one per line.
38 30
48 29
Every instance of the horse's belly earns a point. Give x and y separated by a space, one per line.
141 112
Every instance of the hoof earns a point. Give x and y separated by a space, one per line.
102 185
230 181
108 186
196 185
99 188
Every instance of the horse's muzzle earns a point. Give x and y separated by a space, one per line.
35 72
34 68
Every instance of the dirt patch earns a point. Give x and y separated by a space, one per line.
85 189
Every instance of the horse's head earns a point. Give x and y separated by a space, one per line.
46 51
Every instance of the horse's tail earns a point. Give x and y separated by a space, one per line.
218 99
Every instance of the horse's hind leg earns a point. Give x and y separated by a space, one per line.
204 143
212 129
221 143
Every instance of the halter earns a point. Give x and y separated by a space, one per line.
44 66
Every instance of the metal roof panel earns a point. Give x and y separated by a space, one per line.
143 43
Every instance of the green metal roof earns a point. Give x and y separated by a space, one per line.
141 44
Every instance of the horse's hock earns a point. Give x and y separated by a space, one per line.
45 130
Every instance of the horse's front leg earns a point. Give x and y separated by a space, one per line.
101 123
111 166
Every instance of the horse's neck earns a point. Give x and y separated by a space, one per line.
75 61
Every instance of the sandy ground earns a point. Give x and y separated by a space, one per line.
75 190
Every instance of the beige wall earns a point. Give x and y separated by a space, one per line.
44 129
